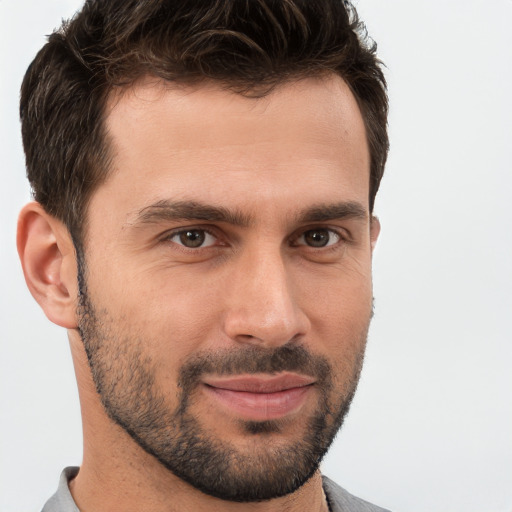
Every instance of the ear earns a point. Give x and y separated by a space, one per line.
374 231
48 259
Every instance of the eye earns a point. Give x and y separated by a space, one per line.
318 238
193 238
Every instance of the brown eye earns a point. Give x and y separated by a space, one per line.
193 238
318 238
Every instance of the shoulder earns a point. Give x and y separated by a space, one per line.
342 501
62 501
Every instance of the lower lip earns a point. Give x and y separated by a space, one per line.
260 406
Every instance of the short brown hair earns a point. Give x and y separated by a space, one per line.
249 46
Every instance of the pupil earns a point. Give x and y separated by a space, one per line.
317 238
192 238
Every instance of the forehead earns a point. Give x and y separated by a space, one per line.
320 99
302 141
312 108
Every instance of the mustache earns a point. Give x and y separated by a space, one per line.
252 360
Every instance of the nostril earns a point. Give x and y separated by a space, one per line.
247 337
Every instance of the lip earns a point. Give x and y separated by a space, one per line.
260 397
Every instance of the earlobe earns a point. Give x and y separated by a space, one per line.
374 231
48 259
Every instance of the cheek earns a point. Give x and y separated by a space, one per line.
340 298
173 316
340 315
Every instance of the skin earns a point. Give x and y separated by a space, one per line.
253 284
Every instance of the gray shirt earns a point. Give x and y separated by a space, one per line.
339 500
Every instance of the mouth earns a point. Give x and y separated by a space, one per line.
260 397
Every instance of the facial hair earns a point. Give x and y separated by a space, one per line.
125 381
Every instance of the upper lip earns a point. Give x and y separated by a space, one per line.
260 383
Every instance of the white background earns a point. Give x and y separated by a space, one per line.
431 427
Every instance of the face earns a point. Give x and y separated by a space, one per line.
226 279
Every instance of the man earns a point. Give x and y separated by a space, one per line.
204 176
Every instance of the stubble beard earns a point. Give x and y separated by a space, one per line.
125 381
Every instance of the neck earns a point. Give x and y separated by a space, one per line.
128 492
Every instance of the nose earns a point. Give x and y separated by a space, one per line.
262 302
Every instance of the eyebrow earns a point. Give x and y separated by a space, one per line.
343 210
168 211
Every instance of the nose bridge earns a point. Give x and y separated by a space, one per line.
263 307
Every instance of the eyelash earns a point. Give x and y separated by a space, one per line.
169 236
340 234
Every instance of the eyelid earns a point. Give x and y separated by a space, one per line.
343 235
169 235
340 233
319 227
